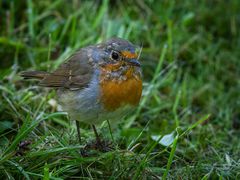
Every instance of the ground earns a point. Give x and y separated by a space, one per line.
187 124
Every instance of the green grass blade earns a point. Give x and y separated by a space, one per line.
170 159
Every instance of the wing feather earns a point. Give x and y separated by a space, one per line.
76 73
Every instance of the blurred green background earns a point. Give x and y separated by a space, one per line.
191 67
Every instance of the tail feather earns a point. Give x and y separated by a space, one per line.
34 74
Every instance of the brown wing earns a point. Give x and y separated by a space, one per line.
74 74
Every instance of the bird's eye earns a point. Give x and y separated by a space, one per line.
115 55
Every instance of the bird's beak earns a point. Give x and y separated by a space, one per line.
133 62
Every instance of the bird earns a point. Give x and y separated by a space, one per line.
96 83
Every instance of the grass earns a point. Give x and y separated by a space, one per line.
187 124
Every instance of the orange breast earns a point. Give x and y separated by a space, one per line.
116 94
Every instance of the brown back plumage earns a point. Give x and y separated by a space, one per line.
73 74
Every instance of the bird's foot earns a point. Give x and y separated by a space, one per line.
103 145
100 145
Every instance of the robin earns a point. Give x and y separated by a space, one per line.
99 82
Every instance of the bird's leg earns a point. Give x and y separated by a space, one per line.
98 141
82 151
100 144
78 131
